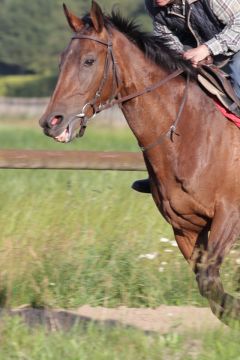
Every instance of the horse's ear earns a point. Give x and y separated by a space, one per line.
97 17
75 23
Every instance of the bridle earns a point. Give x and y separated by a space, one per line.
96 102
116 99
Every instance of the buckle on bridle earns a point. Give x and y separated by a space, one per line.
82 114
84 118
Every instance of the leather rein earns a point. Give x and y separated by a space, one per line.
115 99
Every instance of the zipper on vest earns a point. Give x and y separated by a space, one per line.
198 40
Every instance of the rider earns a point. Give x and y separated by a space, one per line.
198 29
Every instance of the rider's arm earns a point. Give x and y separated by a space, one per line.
228 40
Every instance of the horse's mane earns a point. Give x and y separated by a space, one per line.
153 47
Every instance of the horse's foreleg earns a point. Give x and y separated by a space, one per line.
224 230
193 247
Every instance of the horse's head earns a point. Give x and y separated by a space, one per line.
87 78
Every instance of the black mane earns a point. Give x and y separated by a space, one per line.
152 46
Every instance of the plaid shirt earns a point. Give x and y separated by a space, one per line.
227 42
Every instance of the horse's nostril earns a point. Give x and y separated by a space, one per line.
56 120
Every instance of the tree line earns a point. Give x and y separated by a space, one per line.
32 33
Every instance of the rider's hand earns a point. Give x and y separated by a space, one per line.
197 54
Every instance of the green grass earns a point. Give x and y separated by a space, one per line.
69 238
103 342
28 135
75 237
90 342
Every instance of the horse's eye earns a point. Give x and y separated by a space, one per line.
89 62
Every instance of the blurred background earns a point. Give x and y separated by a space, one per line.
32 34
69 238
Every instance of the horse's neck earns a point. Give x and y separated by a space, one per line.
152 113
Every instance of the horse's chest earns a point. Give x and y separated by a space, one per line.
178 207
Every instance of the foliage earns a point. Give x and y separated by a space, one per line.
27 85
32 33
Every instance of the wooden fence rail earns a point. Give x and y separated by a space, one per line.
79 160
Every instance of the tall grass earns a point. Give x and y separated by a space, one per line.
85 342
70 238
102 342
75 237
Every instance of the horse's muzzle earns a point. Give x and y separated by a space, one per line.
60 127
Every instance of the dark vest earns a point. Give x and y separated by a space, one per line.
202 21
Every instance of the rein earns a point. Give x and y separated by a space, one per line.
115 98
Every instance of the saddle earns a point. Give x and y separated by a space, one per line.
216 82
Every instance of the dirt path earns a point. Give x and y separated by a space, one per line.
164 319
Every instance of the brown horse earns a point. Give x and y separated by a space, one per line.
191 151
